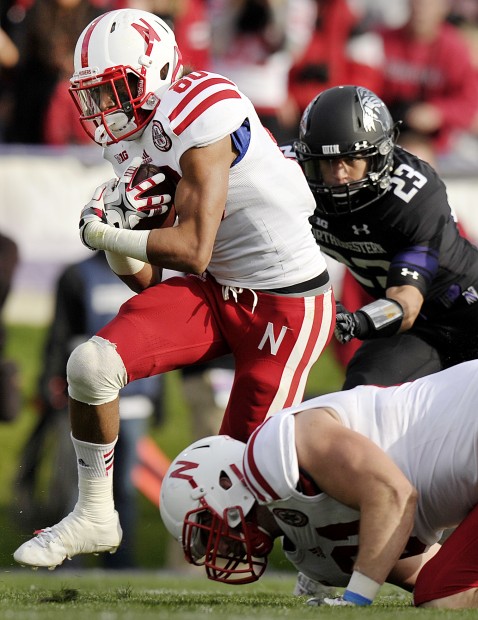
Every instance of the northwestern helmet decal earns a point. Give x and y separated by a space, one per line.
369 103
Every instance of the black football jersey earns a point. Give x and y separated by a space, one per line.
407 236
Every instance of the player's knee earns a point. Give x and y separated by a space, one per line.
95 372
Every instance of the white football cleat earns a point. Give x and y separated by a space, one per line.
72 536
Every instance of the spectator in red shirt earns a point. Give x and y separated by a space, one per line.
429 80
336 54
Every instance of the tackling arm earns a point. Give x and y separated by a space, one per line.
356 472
411 301
381 318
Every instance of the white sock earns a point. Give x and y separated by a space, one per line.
95 479
94 460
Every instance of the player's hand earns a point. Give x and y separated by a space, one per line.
94 211
346 324
125 203
329 602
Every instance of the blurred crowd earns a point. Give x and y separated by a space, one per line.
419 56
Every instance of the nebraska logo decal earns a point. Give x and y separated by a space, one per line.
182 468
161 139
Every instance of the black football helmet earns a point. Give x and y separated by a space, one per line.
347 122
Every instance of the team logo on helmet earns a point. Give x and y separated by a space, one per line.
305 118
294 518
161 139
370 104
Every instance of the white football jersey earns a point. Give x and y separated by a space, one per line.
265 239
429 427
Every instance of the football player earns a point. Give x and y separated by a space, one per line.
257 286
384 214
359 484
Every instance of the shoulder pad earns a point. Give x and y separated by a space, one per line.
203 107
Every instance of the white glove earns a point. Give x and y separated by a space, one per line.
94 211
125 204
329 602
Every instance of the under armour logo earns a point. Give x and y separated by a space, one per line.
406 272
360 229
358 146
82 463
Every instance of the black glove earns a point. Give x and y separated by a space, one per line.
379 319
348 325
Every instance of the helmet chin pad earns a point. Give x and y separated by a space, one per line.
117 122
115 127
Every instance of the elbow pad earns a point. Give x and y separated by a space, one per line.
380 319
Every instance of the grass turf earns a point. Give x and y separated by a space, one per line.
67 593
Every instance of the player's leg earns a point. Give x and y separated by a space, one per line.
390 361
125 493
274 346
93 525
450 579
405 572
165 327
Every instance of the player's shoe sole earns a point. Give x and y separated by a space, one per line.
73 535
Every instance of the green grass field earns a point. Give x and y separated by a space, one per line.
159 595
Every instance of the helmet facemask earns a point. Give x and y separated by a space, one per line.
231 549
111 105
353 195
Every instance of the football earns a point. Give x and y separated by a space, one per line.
168 186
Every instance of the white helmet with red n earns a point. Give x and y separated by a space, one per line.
124 60
206 506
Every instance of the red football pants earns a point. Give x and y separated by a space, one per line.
455 567
275 341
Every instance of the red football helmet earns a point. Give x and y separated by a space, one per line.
206 506
124 60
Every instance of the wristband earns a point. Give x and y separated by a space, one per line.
380 319
123 265
130 243
361 589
